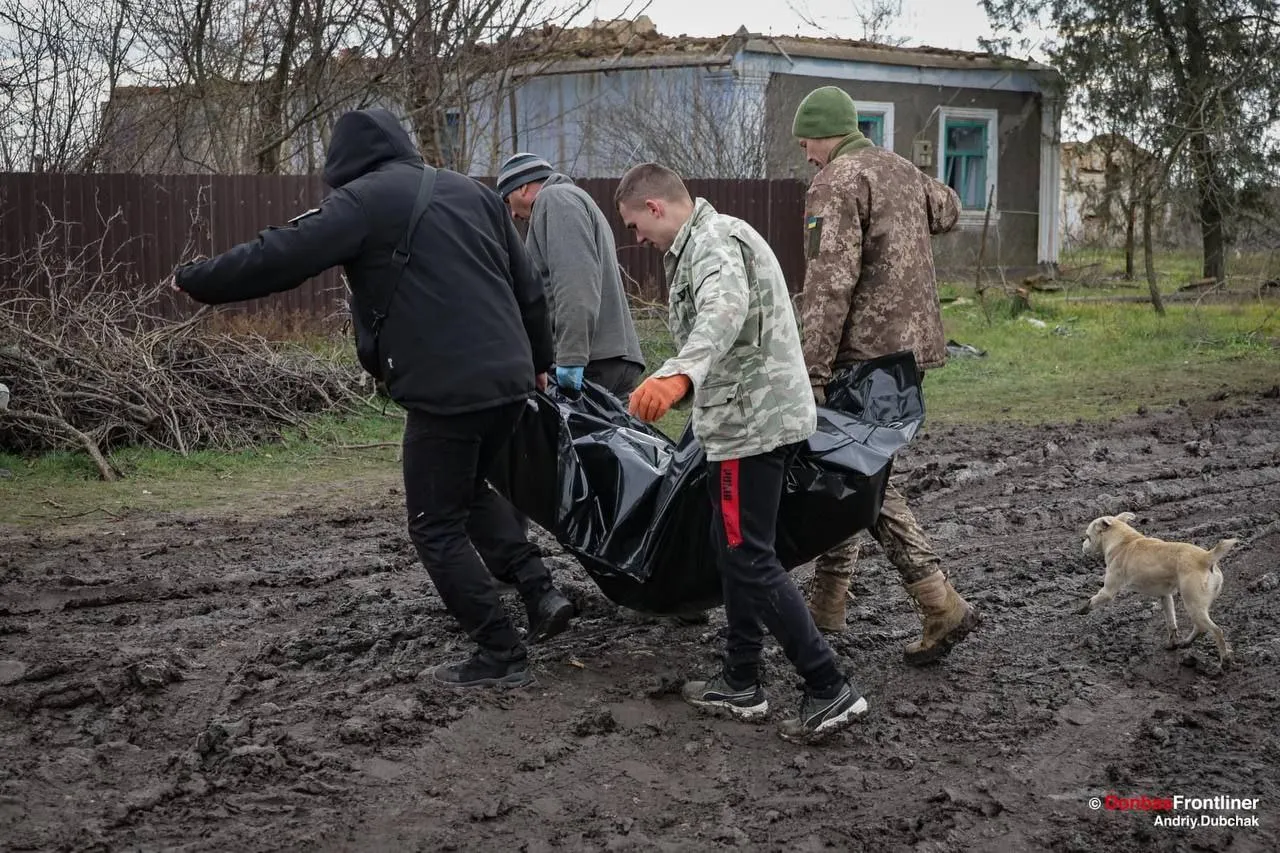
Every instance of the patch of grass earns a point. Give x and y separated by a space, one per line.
65 484
1088 360
1101 270
1098 360
1181 266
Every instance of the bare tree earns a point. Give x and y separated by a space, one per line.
875 19
230 86
1197 77
253 85
56 60
701 122
465 54
1105 177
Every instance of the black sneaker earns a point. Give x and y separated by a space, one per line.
484 670
820 717
748 703
549 615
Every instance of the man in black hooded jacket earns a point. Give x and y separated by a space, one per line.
458 331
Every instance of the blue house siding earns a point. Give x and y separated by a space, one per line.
563 116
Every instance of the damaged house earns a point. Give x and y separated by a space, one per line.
1101 193
613 94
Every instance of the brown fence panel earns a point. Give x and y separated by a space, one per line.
149 223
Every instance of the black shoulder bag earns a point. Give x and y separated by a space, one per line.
369 353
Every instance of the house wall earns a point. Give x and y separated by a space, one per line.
1097 183
590 123
165 132
1013 234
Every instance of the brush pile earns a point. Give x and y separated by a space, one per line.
91 364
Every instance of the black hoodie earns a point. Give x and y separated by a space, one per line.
467 326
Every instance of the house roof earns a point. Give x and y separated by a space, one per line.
608 40
850 50
605 45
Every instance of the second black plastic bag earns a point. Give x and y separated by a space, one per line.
631 505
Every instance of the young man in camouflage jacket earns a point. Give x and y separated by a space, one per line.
870 291
740 359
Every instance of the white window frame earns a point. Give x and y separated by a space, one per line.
973 216
884 109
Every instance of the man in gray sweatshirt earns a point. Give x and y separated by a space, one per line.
572 246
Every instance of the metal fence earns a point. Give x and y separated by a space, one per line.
142 225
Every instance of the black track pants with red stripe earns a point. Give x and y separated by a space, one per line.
758 594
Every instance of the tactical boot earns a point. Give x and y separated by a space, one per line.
947 617
827 594
549 613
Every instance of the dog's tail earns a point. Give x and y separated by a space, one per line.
1217 552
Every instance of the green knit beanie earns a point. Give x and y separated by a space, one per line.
824 113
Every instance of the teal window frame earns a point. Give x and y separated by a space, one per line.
877 133
960 165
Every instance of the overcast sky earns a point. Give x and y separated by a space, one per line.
956 24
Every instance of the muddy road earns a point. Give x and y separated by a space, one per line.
225 683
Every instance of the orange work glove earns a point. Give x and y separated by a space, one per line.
657 394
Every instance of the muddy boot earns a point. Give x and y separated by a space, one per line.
549 614
948 619
827 594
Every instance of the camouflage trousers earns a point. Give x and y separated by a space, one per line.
900 536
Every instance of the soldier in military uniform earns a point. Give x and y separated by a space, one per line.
741 362
870 291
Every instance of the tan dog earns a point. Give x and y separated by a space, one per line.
1157 568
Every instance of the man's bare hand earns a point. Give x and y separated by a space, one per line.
541 381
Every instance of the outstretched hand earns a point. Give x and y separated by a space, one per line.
172 280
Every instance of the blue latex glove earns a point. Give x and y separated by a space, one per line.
569 377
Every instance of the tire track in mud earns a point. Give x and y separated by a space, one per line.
204 683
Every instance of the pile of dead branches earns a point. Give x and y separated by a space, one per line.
91 364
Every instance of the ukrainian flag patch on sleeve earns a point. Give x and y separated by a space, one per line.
812 236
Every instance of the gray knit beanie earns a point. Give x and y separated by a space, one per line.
520 170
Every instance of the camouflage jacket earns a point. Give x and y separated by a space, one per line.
869 286
730 315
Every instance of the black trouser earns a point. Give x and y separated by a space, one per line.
446 458
616 375
519 562
745 494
